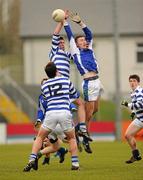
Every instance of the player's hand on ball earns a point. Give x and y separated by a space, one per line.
66 14
37 124
124 103
75 17
58 15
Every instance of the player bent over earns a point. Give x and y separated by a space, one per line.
56 90
136 106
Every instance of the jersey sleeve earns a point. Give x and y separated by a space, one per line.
73 92
88 36
55 45
73 48
138 104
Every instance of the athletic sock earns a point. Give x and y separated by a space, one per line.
32 157
75 161
82 127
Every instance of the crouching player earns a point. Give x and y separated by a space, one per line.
57 91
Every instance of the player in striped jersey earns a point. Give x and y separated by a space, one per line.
52 141
59 56
61 59
57 91
85 60
136 106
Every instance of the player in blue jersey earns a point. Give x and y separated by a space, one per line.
56 90
61 58
85 60
136 107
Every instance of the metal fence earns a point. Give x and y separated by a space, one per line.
16 93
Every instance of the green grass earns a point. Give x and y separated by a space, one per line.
106 163
107 110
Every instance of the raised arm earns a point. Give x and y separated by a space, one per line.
58 28
55 39
73 47
88 34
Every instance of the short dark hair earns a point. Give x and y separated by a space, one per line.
134 76
77 37
51 70
61 38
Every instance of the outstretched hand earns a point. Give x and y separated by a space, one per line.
75 17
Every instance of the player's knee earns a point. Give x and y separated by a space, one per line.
71 137
39 137
56 147
128 136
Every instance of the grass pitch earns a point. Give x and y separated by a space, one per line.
105 163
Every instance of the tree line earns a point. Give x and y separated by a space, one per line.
9 26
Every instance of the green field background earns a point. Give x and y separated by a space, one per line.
107 162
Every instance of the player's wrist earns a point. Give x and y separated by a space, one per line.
82 24
65 23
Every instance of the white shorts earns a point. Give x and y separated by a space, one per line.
63 118
57 133
138 123
92 89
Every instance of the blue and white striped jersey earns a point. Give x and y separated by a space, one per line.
42 106
60 57
57 92
137 102
83 58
